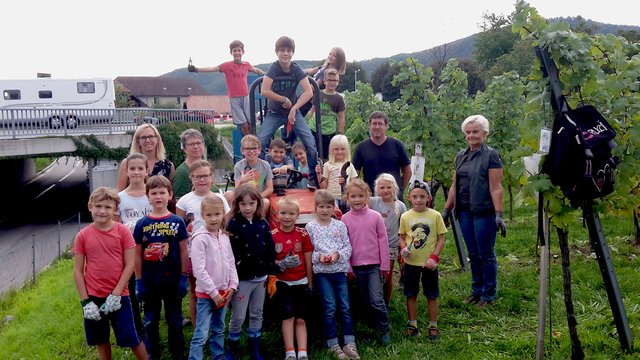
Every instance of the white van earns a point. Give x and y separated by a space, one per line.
56 102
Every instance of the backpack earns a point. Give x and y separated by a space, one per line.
580 160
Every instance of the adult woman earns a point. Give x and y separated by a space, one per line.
192 143
476 193
147 140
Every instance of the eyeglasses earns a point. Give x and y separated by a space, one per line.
200 177
194 144
147 137
377 124
251 149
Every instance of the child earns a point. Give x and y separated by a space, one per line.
253 170
161 268
332 109
235 73
387 204
216 278
335 60
102 265
330 258
370 254
201 173
277 158
303 166
293 257
134 205
254 251
332 179
421 240
284 103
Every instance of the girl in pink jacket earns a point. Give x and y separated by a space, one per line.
216 278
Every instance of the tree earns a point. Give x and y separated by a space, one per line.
382 81
494 41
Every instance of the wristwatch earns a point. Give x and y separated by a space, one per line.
285 99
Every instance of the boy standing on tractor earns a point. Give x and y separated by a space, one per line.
235 73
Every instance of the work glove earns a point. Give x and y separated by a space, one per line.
446 216
192 68
112 304
432 262
271 286
141 292
405 252
290 261
500 225
183 285
90 310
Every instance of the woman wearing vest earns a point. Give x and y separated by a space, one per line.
476 196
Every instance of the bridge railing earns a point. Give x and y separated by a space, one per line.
28 123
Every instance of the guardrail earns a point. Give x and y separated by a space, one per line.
28 123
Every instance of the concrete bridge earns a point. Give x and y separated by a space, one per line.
25 135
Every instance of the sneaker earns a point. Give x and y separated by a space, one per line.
186 322
351 351
471 299
386 339
484 303
290 357
303 357
337 351
434 333
412 330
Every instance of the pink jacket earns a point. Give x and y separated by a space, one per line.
213 263
368 236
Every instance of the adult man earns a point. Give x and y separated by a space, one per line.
382 154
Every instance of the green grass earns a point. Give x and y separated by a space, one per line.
48 320
42 163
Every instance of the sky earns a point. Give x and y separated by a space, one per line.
89 39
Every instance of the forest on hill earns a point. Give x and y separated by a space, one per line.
492 51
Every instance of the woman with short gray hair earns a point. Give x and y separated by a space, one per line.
476 196
192 143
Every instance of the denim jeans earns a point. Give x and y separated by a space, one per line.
209 319
153 301
370 287
273 121
334 292
479 234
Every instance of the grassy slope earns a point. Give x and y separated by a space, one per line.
51 311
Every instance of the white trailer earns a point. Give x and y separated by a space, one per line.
57 102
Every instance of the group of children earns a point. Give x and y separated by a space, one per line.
240 263
229 256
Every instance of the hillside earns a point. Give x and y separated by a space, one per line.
459 49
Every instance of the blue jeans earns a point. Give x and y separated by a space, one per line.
479 234
273 121
334 291
370 287
152 304
209 319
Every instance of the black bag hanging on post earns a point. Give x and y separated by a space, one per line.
580 160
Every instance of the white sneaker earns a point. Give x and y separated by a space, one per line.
351 351
337 351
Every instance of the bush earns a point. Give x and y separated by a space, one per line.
170 133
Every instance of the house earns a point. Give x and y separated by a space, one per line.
160 91
219 103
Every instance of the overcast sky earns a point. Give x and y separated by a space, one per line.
80 38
